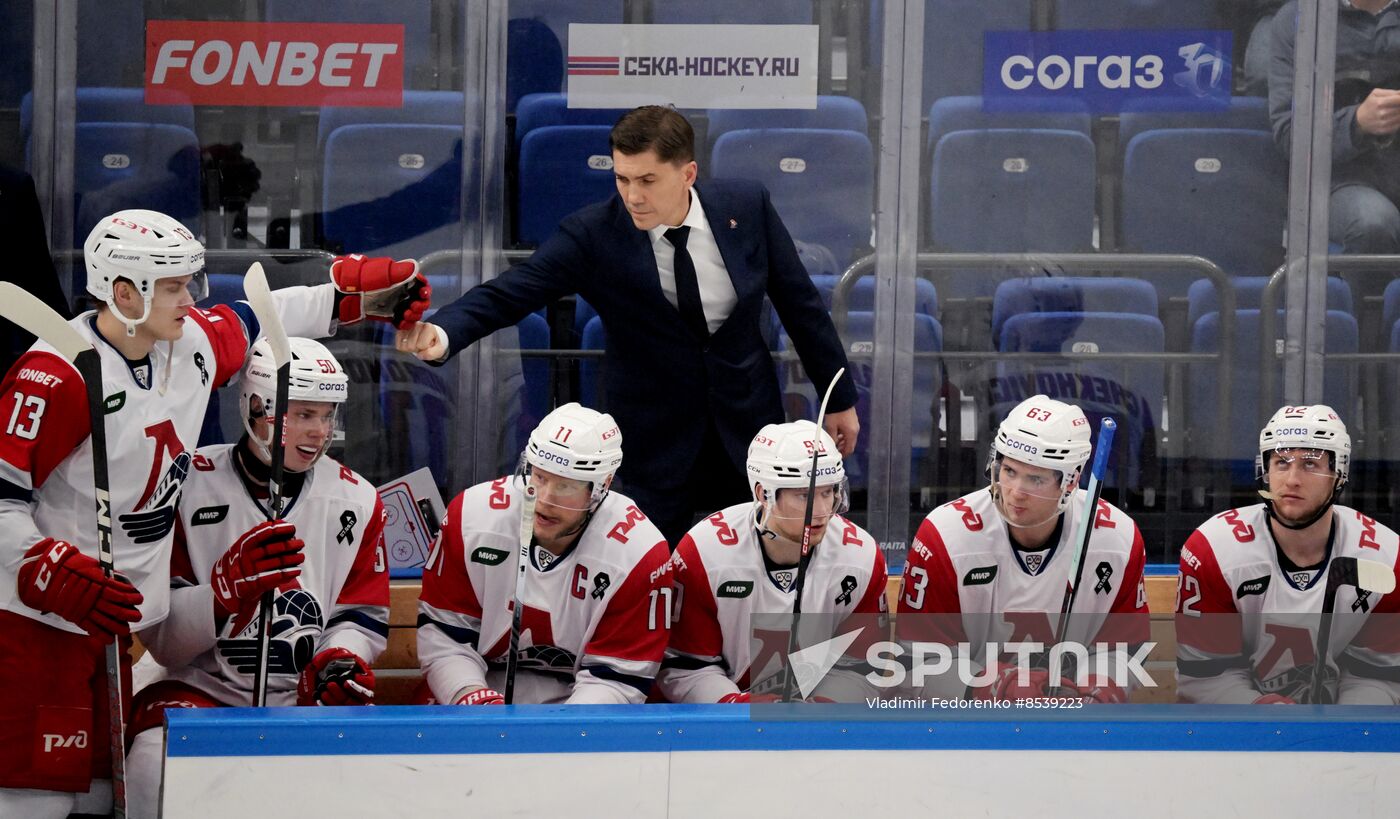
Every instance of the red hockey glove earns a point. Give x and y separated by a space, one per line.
336 677
56 577
380 289
1103 690
746 698
482 696
1006 684
263 558
1275 699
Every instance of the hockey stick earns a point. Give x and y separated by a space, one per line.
24 309
1086 527
1366 575
260 299
805 556
527 534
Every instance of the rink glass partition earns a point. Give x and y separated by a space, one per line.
972 253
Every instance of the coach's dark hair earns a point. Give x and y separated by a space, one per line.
657 128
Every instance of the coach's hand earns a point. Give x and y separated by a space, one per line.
56 577
844 428
425 340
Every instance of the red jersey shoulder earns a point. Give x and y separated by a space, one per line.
226 335
43 403
968 514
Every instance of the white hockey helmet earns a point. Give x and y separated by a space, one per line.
1047 433
578 443
1316 427
780 457
141 246
316 375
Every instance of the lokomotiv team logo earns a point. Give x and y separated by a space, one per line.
297 622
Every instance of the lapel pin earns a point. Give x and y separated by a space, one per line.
733 223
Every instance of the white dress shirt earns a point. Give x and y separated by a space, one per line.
717 295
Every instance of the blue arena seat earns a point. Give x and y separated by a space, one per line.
534 401
590 370
822 183
419 108
1010 191
1244 114
545 110
1201 298
1130 391
833 113
1390 310
1338 388
1135 14
1217 193
562 168
1071 294
393 189
731 11
801 400
862 296
967 113
119 165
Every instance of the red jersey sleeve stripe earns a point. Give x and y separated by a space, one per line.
631 629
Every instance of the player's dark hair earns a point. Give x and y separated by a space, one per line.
658 128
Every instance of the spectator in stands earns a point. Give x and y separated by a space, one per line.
1365 159
1252 21
30 266
678 272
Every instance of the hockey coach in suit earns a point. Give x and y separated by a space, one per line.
677 273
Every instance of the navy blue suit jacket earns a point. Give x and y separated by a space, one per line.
661 384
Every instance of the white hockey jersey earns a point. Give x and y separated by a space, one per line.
341 599
722 580
595 619
154 414
1247 627
965 584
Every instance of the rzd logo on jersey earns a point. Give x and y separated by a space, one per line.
78 740
297 622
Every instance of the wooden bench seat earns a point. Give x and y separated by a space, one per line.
398 675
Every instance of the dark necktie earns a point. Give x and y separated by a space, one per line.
687 285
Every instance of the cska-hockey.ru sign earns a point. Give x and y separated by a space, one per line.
274 64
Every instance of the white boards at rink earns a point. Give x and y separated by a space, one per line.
628 762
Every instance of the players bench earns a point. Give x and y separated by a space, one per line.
397 674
